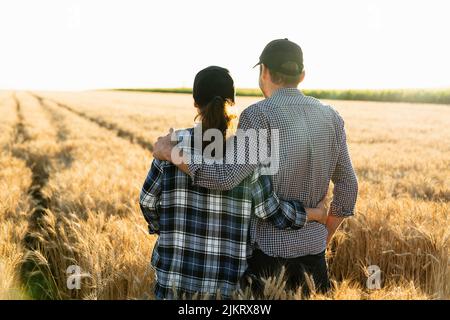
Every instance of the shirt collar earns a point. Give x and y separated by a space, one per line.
287 92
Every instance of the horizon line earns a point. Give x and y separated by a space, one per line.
239 88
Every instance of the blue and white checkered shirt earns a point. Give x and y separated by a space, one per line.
203 233
312 151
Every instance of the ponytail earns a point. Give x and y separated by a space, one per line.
214 115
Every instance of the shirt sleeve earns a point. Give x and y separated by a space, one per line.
227 175
150 196
345 182
267 206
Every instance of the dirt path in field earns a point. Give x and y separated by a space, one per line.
20 133
60 244
120 132
64 156
42 162
55 118
38 164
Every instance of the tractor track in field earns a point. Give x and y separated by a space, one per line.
39 165
20 133
36 276
56 119
120 132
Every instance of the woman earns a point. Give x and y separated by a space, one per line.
202 244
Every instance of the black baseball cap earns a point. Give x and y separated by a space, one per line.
283 56
211 82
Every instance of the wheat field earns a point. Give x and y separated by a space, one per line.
72 165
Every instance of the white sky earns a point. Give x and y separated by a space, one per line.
76 44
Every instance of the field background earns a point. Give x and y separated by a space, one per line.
72 165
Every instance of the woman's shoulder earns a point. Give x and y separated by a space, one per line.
183 138
183 133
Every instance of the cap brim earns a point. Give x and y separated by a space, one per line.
257 64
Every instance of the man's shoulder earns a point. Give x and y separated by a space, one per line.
264 105
325 108
257 107
263 109
254 116
310 100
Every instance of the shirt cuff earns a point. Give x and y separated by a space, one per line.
300 215
338 211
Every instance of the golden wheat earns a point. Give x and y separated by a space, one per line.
74 164
15 178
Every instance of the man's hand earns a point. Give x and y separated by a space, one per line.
162 149
319 214
333 223
165 150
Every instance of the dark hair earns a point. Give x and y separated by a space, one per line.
284 79
213 91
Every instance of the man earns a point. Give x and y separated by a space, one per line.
312 151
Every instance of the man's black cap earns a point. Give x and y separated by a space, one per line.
283 56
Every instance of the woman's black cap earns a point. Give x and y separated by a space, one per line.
211 82
282 56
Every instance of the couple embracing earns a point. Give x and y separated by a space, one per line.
225 218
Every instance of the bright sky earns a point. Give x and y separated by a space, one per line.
76 44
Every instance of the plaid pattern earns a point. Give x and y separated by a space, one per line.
203 233
312 151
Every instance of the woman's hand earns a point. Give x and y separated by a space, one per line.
319 214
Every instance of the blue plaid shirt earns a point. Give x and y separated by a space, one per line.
203 233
